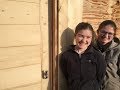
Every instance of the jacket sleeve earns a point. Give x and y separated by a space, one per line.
101 69
63 65
118 64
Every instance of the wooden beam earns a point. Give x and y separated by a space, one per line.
54 45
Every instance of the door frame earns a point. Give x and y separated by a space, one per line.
54 42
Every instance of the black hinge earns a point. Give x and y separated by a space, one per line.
44 74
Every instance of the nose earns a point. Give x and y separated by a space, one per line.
84 39
106 35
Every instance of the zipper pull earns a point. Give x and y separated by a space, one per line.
79 55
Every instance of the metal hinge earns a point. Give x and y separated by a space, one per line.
44 74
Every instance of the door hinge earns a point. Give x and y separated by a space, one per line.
44 74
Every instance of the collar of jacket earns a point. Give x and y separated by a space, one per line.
115 43
88 50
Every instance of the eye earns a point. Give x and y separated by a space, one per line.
79 35
105 32
88 37
110 33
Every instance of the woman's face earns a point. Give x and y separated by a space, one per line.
83 38
106 34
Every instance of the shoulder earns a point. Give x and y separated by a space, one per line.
115 47
66 54
116 43
99 58
97 54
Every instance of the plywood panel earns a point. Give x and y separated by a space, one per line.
18 35
19 56
20 76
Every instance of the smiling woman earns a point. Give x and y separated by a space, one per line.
83 66
83 36
106 31
109 46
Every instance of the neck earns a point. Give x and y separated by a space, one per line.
79 50
104 44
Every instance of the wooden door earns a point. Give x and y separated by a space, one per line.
24 52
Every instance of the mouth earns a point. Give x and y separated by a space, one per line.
104 38
82 43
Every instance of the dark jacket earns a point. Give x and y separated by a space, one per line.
85 71
112 58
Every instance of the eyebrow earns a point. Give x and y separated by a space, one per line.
85 35
106 31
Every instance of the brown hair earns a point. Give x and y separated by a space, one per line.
83 26
107 22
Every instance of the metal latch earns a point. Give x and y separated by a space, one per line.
44 74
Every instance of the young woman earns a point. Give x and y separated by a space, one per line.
83 66
109 46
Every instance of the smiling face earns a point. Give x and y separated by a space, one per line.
106 34
83 38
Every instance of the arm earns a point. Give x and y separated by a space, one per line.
118 64
63 65
101 69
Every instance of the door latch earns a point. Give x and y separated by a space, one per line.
44 74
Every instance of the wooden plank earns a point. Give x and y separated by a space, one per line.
19 12
19 56
21 76
34 86
45 27
18 35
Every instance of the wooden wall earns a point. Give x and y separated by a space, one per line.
23 44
